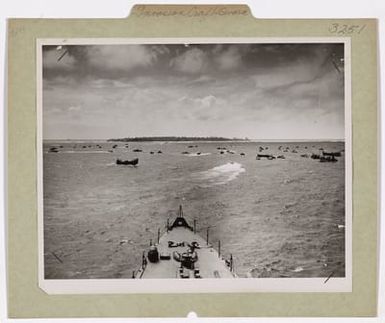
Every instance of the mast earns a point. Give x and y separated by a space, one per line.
180 211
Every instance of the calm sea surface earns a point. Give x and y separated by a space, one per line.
278 218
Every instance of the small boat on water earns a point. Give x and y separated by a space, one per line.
183 254
269 157
328 159
333 154
132 162
53 150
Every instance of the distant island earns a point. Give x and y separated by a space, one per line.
172 138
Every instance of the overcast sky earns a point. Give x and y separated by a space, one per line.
259 91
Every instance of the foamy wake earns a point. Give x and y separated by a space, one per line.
197 155
84 152
221 174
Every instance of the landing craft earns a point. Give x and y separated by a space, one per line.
181 253
269 157
329 159
132 162
333 154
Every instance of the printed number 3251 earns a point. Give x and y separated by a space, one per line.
346 29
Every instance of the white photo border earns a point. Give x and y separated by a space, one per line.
167 286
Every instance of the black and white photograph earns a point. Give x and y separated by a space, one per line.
196 160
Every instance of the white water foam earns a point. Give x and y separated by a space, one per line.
198 155
84 152
221 174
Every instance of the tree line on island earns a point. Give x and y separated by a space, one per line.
173 138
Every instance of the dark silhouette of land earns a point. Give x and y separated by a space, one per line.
172 138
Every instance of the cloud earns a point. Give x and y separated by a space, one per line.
217 49
201 108
207 101
202 79
229 59
160 49
120 57
106 83
139 90
191 61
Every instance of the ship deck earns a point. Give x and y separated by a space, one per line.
209 263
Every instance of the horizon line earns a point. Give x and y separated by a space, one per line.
230 139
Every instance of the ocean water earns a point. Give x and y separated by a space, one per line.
278 218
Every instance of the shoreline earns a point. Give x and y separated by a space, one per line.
194 141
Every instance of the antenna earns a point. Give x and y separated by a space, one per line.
180 211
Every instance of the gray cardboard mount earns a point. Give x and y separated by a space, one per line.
25 298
